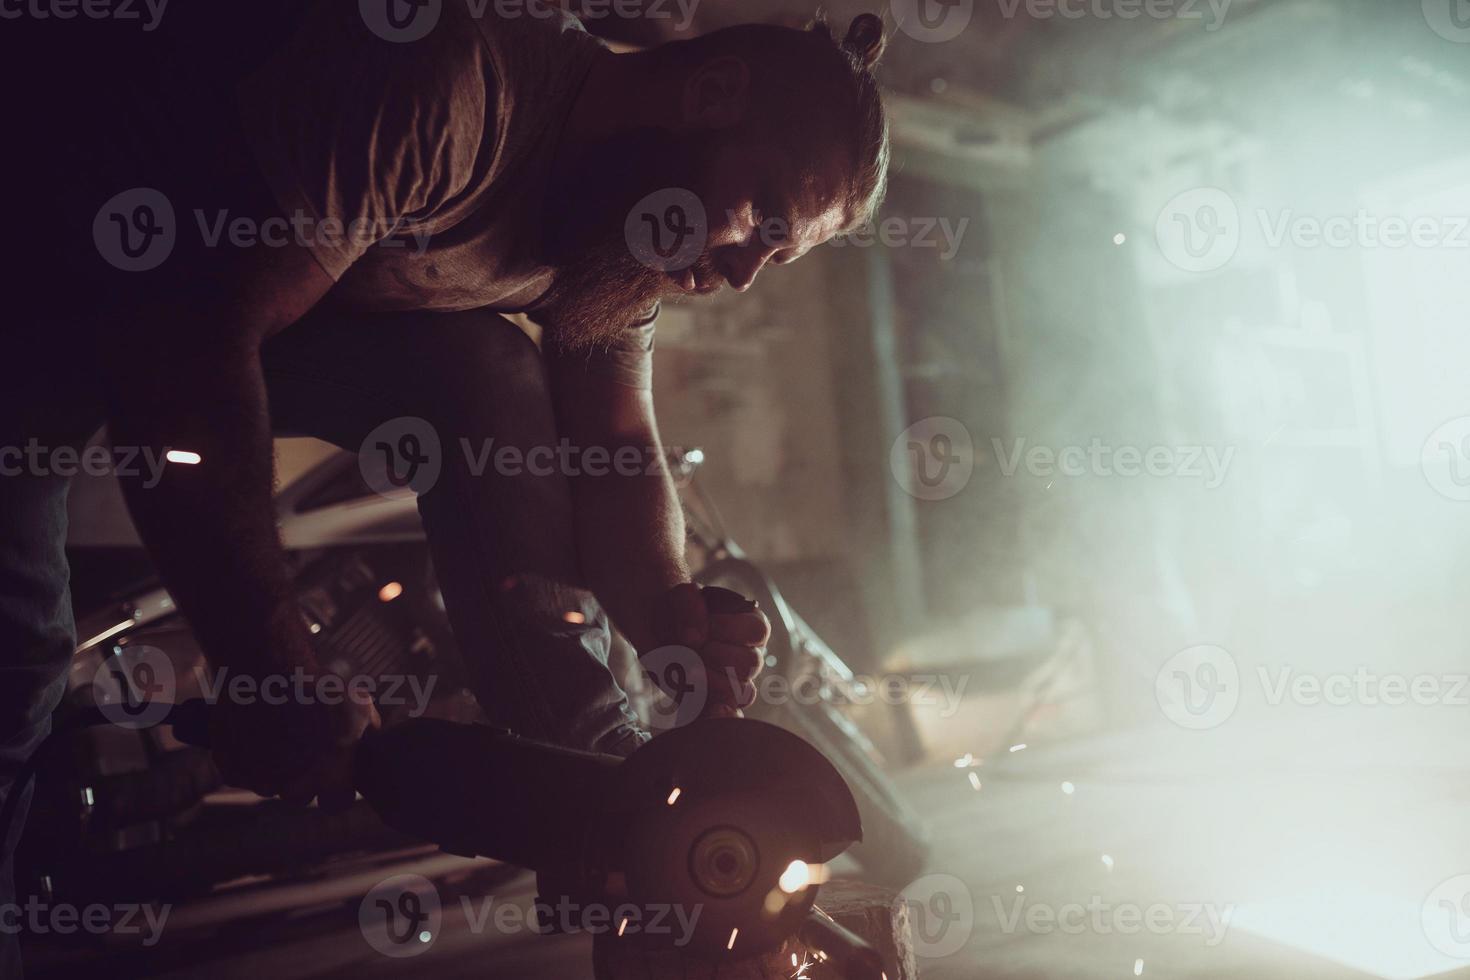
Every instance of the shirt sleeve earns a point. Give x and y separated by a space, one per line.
358 136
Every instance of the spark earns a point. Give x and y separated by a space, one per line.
574 617
1018 747
674 796
966 761
623 926
1119 238
1068 788
1138 968
390 592
1107 860
1020 889
975 781
733 933
183 456
796 877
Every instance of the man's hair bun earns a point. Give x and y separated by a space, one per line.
865 39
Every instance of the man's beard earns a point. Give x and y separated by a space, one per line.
601 287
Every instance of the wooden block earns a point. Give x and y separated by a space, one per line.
876 914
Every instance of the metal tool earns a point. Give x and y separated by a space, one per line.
726 815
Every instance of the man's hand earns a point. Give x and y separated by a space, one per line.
731 645
298 751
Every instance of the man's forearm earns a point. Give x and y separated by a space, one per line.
210 526
630 533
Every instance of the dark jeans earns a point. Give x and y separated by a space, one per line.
503 545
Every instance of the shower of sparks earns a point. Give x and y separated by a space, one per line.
975 781
801 968
1018 747
1107 860
1138 968
674 796
1068 788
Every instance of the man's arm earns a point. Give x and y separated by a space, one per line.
630 536
630 528
183 373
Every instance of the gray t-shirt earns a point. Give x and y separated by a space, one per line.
418 169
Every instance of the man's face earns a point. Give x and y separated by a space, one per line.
763 203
